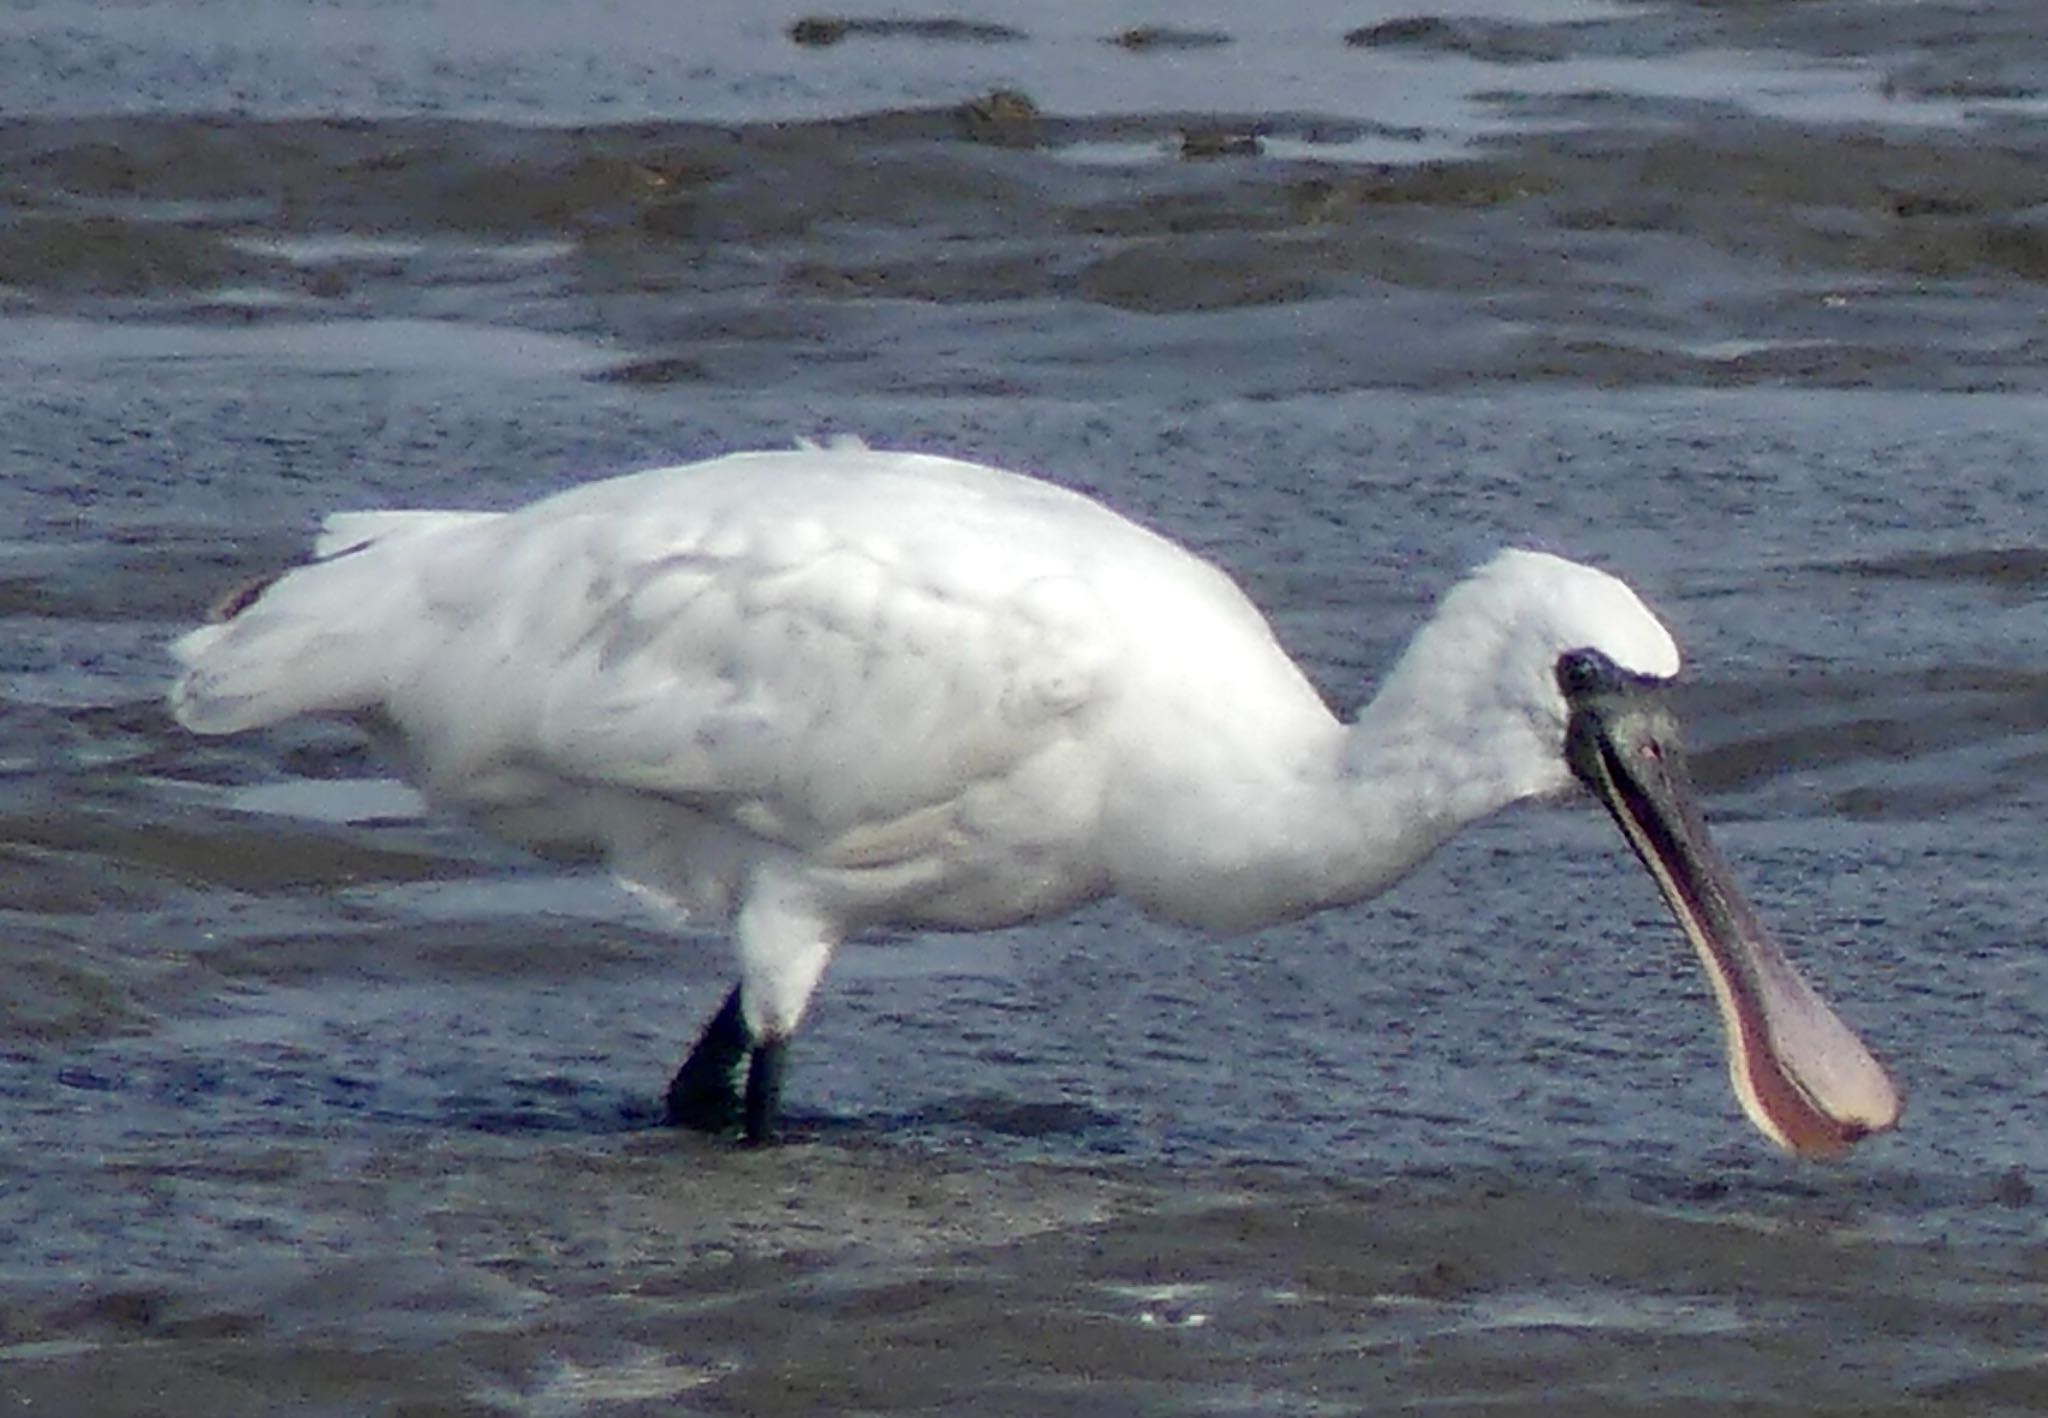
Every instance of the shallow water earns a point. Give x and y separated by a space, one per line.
313 1103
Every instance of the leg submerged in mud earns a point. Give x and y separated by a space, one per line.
705 1094
764 1089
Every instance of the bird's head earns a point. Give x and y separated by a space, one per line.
1531 622
1583 666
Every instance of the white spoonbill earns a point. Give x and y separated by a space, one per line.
827 690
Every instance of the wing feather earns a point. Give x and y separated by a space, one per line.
830 691
837 699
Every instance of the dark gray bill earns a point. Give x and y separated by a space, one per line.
1800 1073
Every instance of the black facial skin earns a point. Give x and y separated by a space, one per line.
1584 673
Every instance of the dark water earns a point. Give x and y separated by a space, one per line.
310 1104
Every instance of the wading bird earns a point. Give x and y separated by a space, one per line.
829 690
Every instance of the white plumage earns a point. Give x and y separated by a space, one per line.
824 690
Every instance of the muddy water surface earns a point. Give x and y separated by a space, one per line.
310 1103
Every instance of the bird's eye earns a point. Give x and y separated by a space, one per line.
1584 671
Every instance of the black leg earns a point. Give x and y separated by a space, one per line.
764 1090
705 1094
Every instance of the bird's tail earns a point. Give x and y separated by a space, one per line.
315 639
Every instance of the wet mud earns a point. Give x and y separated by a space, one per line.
1612 240
644 1277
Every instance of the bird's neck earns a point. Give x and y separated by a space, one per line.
1440 746
1348 810
1297 812
1413 775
